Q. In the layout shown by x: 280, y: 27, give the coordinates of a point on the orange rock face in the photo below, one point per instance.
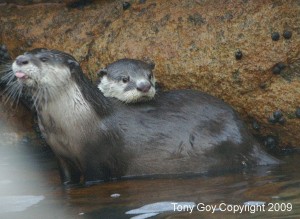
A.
x: 193, y: 44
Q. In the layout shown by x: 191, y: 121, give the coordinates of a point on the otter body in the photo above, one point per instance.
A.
x: 100, y: 138
x: 128, y: 80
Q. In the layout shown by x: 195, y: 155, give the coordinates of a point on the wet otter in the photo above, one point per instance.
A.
x: 128, y: 80
x: 100, y: 138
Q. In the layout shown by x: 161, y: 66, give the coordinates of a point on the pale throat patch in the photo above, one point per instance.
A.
x: 71, y: 111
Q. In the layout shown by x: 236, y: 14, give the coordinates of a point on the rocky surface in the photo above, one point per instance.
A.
x: 229, y: 49
x: 15, y: 124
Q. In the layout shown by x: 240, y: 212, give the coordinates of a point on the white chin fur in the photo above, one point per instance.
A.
x: 135, y: 96
x: 28, y: 82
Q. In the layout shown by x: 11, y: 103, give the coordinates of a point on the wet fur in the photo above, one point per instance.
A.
x: 100, y: 138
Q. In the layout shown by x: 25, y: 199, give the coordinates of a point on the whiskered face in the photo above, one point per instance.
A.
x: 42, y: 72
x: 128, y: 80
x: 42, y: 67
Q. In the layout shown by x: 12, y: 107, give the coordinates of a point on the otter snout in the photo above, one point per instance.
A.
x: 143, y: 86
x: 22, y: 60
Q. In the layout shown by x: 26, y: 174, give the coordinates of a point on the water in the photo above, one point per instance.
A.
x: 30, y: 188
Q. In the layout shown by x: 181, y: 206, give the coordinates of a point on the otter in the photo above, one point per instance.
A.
x: 128, y: 80
x: 97, y: 138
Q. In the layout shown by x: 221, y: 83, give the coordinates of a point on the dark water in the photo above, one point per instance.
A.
x: 30, y: 188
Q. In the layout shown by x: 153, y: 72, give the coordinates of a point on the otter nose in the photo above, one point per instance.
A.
x: 143, y: 87
x: 22, y: 60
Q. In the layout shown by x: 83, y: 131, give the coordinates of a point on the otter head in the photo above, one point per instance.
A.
x: 128, y: 80
x: 43, y: 67
x: 43, y: 72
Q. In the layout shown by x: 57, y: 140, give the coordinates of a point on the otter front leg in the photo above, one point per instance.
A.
x: 69, y: 173
x: 95, y: 172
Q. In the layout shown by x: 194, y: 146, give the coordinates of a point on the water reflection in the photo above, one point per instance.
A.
x: 154, y: 209
x: 30, y: 188
x: 17, y: 203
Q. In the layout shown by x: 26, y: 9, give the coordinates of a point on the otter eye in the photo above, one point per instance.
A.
x: 150, y: 76
x: 125, y: 79
x: 44, y: 59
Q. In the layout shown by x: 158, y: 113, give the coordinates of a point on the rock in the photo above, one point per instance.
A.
x: 238, y: 55
x: 275, y: 36
x: 287, y: 34
x: 297, y: 113
x: 191, y: 42
x: 10, y: 117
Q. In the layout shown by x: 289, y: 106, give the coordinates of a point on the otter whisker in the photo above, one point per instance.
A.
x: 6, y: 62
x: 8, y: 77
x: 38, y: 96
x: 5, y: 67
x: 13, y: 92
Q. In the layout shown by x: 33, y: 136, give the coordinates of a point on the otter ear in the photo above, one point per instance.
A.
x: 102, y: 72
x: 150, y: 63
x: 72, y: 64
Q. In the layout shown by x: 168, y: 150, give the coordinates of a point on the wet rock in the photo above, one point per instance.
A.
x: 238, y: 55
x: 196, y: 19
x: 256, y: 125
x: 10, y: 118
x: 4, y: 55
x: 277, y: 114
x: 126, y: 5
x: 191, y: 48
x: 278, y: 68
x: 287, y: 150
x: 281, y: 121
x: 297, y: 113
x: 79, y: 4
x: 277, y: 117
x: 271, y: 143
x: 281, y: 66
x: 287, y: 34
x: 275, y: 36
x: 272, y: 120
